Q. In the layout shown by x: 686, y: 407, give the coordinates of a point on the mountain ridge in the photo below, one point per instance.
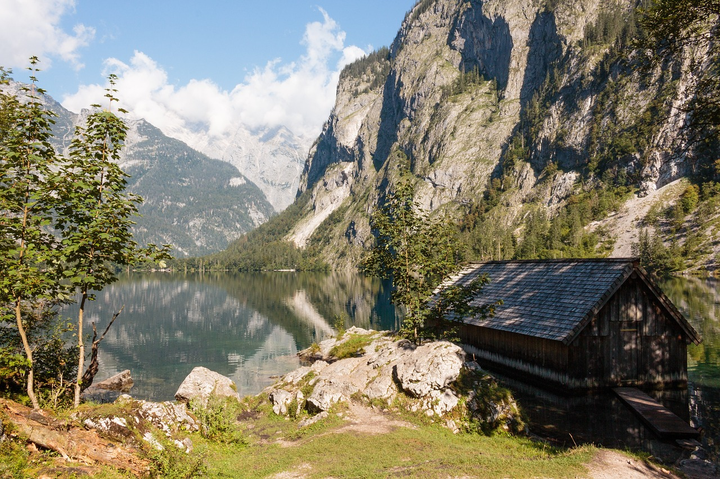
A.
x: 529, y: 122
x: 196, y: 203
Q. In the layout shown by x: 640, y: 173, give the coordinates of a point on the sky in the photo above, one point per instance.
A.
x: 190, y: 64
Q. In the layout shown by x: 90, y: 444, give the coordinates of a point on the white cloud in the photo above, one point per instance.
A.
x: 298, y: 95
x: 31, y: 27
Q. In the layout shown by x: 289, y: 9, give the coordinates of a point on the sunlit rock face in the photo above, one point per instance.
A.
x: 417, y: 108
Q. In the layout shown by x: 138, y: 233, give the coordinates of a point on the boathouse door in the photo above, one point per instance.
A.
x: 628, y: 353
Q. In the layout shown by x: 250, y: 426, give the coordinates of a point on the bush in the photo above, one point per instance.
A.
x: 218, y: 420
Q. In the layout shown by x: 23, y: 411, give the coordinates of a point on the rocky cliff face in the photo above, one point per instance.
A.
x: 523, y: 91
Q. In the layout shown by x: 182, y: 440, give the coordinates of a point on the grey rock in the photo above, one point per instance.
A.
x: 280, y: 399
x: 201, y: 383
x: 430, y: 367
x: 312, y: 420
x: 110, y: 389
x: 326, y: 393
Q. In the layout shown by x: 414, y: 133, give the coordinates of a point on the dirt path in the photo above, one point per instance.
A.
x: 609, y: 464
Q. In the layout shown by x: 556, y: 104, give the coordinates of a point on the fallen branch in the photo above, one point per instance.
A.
x: 42, y: 429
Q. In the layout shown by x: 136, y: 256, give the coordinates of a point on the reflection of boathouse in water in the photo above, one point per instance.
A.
x: 578, y: 324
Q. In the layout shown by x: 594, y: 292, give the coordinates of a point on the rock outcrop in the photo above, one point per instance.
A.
x: 202, y: 383
x: 431, y: 379
x: 109, y: 389
x: 519, y: 94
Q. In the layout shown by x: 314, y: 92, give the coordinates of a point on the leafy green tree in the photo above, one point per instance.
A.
x: 95, y: 213
x: 29, y: 263
x: 418, y: 253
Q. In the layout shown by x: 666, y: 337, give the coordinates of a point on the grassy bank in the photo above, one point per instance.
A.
x: 249, y: 441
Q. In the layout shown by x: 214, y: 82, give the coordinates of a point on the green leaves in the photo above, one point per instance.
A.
x: 65, y: 223
x: 419, y: 253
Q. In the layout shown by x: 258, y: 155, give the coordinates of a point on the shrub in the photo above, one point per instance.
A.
x: 218, y: 420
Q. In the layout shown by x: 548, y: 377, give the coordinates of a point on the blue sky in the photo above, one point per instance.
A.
x: 187, y: 62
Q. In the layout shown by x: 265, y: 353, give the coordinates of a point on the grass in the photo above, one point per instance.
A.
x: 274, y: 444
x: 426, y: 451
x: 353, y: 346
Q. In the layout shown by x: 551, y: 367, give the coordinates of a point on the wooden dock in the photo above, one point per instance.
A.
x: 659, y: 419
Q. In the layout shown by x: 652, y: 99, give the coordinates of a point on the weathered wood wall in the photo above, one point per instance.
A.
x: 631, y: 341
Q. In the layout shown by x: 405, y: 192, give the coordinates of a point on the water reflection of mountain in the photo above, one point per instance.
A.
x: 245, y: 326
x: 699, y: 300
x: 291, y: 299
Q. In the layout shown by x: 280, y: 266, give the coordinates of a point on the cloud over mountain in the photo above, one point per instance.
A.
x: 298, y: 94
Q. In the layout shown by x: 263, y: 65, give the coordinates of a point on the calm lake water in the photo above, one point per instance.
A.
x: 249, y: 327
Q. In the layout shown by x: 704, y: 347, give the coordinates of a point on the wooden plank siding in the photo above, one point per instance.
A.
x: 578, y: 324
x: 631, y: 341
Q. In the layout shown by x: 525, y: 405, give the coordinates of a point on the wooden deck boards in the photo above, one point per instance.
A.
x: 659, y: 419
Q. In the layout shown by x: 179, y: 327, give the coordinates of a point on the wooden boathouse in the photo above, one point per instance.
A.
x: 578, y: 324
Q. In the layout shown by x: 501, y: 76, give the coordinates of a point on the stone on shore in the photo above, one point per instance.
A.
x: 202, y: 383
x: 426, y: 378
x: 110, y: 389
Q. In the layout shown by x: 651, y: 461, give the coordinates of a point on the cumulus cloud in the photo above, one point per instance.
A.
x: 297, y: 95
x: 31, y: 27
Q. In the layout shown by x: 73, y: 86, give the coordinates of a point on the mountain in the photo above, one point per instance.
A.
x: 271, y: 157
x: 540, y: 126
x: 193, y: 202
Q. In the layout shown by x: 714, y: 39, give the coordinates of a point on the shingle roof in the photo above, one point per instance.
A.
x: 547, y: 299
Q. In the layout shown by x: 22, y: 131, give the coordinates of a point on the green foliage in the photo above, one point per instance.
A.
x: 689, y: 198
x: 29, y: 262
x: 467, y: 81
x: 218, y: 420
x: 373, y: 68
x: 657, y: 258
x: 14, y: 460
x: 613, y: 24
x: 339, y: 325
x: 173, y: 463
x: 64, y: 223
x: 266, y: 248
x: 418, y: 253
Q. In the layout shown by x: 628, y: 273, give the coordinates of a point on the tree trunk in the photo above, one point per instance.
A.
x: 89, y: 376
x: 81, y: 349
x: 28, y: 354
x: 71, y: 442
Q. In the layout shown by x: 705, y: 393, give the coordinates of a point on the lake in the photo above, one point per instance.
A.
x: 249, y: 327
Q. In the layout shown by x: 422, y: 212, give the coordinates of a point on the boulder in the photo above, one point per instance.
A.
x: 430, y: 367
x: 326, y: 393
x: 202, y: 383
x: 110, y: 389
x: 280, y: 399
